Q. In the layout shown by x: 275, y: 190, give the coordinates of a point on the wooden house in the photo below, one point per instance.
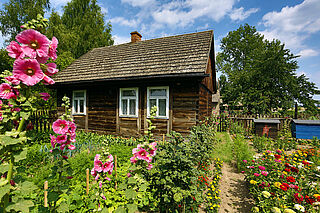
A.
x: 113, y: 88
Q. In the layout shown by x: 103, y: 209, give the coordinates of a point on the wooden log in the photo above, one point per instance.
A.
x: 46, y: 194
x: 87, y: 181
x: 115, y: 171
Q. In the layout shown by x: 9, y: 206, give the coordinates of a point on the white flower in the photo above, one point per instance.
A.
x: 316, y: 203
x: 299, y: 207
x: 318, y: 167
x: 266, y: 194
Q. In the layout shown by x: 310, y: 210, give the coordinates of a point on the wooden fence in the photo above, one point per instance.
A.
x: 246, y: 121
x: 42, y: 119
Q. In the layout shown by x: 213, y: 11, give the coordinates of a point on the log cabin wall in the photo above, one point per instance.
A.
x: 102, y: 113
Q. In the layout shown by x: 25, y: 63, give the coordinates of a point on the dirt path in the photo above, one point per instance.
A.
x: 234, y: 192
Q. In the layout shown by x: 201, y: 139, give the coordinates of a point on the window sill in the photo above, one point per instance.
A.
x: 128, y: 116
x: 164, y: 118
x: 78, y: 114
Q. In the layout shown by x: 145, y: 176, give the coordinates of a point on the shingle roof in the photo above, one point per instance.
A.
x: 174, y: 55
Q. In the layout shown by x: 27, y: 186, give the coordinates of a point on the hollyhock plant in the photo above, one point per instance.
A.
x: 144, y: 152
x: 6, y: 91
x: 60, y: 126
x: 27, y: 71
x: 15, y: 50
x: 34, y: 43
x: 53, y: 48
x: 12, y: 80
x: 51, y: 69
x: 45, y: 96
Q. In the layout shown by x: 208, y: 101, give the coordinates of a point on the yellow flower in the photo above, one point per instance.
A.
x: 284, y: 172
x: 253, y: 182
x: 255, y: 209
x: 289, y: 211
x: 316, y: 195
x: 277, y: 184
x: 275, y: 210
x: 266, y: 194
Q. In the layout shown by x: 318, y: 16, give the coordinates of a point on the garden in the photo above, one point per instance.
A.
x: 67, y: 170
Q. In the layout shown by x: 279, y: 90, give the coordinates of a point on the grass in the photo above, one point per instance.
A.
x: 224, y: 148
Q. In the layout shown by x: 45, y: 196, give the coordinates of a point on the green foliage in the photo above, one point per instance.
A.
x: 223, y: 148
x: 260, y: 75
x: 242, y: 151
x: 17, y: 12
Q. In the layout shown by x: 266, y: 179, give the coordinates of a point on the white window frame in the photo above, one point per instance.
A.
x: 128, y: 102
x: 157, y: 101
x: 84, y: 102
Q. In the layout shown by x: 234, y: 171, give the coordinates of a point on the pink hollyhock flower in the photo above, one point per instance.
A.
x: 28, y: 71
x: 98, y: 166
x: 48, y: 80
x: 242, y: 172
x: 251, y: 167
x: 100, y: 184
x: 129, y: 175
x: 256, y: 174
x: 108, y: 179
x: 42, y: 60
x: 35, y: 44
x: 72, y: 128
x: 108, y: 167
x: 245, y: 161
x: 93, y: 172
x: 45, y: 96
x: 97, y: 177
x: 60, y: 126
x: 53, y: 141
x: 12, y: 80
x: 6, y: 91
x: 142, y: 154
x: 53, y: 48
x: 262, y: 168
x: 51, y: 69
x: 133, y: 160
x: 71, y: 147
x: 135, y: 150
x: 61, y: 139
x: 17, y: 109
x: 265, y: 173
x: 14, y: 50
x: 149, y: 167
x: 103, y: 197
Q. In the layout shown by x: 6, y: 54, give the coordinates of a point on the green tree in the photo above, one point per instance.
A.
x: 17, y: 12
x: 85, y: 19
x: 260, y: 75
x: 5, y: 60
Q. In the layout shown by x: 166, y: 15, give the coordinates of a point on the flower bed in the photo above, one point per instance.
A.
x: 283, y: 182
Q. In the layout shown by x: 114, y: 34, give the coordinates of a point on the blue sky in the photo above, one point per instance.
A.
x: 295, y: 22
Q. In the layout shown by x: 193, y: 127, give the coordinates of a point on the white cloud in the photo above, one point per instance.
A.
x: 139, y: 3
x: 182, y: 13
x: 308, y: 53
x: 58, y: 3
x: 293, y: 25
x: 240, y: 14
x: 121, y: 39
x: 125, y: 22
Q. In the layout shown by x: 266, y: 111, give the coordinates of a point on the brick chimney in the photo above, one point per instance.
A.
x: 135, y: 36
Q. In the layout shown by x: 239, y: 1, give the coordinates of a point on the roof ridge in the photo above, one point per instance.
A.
x: 206, y: 31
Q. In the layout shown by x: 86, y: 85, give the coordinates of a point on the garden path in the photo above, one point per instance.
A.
x: 234, y: 191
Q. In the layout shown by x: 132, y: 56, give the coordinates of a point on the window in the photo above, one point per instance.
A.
x: 79, y: 102
x: 159, y: 97
x: 128, y: 102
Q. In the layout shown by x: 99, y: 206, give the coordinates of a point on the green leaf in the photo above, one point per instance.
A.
x: 7, y: 140
x: 24, y: 115
x: 130, y: 194
x: 27, y: 187
x: 63, y: 207
x: 21, y: 205
x: 177, y: 197
x: 132, y: 208
x: 122, y: 186
x: 4, y: 190
x: 4, y: 168
x: 21, y: 156
x: 132, y: 180
x: 143, y: 187
x: 53, y: 196
x: 120, y: 209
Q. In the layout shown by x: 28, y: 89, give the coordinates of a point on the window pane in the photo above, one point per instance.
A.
x: 162, y: 107
x: 75, y: 105
x: 131, y: 93
x: 79, y: 94
x: 152, y: 102
x: 124, y: 106
x: 158, y: 92
x: 132, y: 109
x: 81, y: 106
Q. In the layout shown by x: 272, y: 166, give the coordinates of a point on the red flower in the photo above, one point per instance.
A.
x: 284, y: 186
x: 298, y: 197
x: 287, y: 165
x: 309, y: 199
x: 291, y: 179
x: 294, y: 169
x: 12, y: 182
x: 305, y: 162
x: 287, y: 170
x: 277, y: 156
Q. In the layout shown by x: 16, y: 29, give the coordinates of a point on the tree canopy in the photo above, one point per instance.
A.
x: 17, y: 12
x: 260, y: 75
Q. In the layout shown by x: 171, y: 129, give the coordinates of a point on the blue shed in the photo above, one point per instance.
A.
x: 306, y: 129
